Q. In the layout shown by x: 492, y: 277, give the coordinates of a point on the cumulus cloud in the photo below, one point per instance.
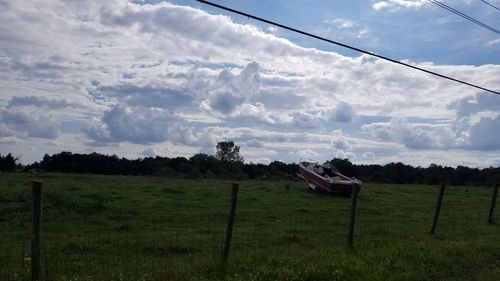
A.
x: 132, y: 124
x: 230, y: 91
x: 141, y: 125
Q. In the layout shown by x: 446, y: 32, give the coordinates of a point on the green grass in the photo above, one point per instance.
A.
x: 153, y: 228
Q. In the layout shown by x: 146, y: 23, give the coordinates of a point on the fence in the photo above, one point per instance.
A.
x: 272, y: 221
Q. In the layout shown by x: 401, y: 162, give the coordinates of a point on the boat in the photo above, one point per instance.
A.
x: 326, y: 178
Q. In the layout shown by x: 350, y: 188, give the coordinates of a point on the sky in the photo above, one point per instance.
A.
x: 173, y: 78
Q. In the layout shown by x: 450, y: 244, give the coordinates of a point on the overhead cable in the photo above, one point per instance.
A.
x: 347, y: 46
x: 458, y: 13
x: 491, y: 5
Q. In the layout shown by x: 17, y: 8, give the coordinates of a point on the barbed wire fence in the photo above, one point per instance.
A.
x: 294, y: 223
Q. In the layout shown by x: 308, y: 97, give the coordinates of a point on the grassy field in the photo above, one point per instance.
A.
x: 153, y: 228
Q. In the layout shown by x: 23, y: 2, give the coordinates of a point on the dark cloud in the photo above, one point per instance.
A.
x: 254, y: 143
x: 146, y: 96
x: 281, y: 99
x: 39, y: 102
x: 27, y: 124
x: 344, y: 112
x: 225, y: 103
x: 483, y: 135
x: 474, y: 104
x: 44, y: 69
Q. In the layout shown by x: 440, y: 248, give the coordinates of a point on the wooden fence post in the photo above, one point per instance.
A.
x: 36, y: 242
x: 352, y: 219
x: 230, y: 222
x: 493, y: 202
x: 438, y: 206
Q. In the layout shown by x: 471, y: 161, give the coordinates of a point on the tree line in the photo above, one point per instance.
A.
x: 227, y: 163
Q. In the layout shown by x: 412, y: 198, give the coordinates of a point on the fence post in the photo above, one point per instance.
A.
x: 230, y: 222
x: 438, y: 206
x: 493, y: 202
x: 352, y: 219
x: 36, y: 242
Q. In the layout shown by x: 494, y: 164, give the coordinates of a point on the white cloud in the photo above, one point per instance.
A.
x: 381, y: 5
x: 415, y: 136
x: 481, y: 135
x: 342, y: 23
x: 395, y: 4
x: 344, y: 155
x: 369, y: 155
x: 149, y: 152
x: 339, y: 141
x: 132, y: 124
x: 308, y: 154
x: 493, y: 42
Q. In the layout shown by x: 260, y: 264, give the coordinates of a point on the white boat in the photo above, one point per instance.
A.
x: 326, y: 178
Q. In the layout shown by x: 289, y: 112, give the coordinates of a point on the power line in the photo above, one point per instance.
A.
x: 346, y: 46
x: 458, y: 13
x: 491, y: 5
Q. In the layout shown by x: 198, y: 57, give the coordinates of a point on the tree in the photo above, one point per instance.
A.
x: 204, y: 163
x: 344, y: 166
x: 228, y: 152
x: 399, y: 173
x: 7, y: 163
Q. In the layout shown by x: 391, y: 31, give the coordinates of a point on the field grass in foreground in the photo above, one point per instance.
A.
x: 152, y: 228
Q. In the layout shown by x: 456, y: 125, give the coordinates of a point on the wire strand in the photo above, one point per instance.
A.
x: 491, y: 5
x: 348, y: 46
x: 458, y: 13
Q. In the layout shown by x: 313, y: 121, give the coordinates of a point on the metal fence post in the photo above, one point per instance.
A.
x: 36, y: 241
x: 352, y: 218
x: 230, y: 222
x: 493, y: 203
x: 438, y: 207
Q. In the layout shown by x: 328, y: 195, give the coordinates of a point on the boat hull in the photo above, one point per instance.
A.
x: 319, y: 182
